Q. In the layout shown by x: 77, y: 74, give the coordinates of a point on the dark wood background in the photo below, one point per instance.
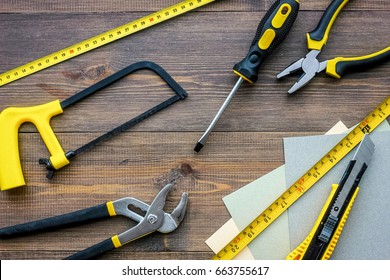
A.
x: 198, y: 49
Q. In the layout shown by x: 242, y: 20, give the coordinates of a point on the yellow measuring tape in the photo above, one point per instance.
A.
x: 293, y: 193
x: 100, y: 40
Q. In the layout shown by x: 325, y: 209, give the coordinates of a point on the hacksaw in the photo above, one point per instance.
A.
x: 11, y: 175
x: 100, y: 40
x: 304, y: 183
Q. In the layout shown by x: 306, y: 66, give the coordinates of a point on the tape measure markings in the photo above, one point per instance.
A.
x: 303, y: 184
x: 100, y: 40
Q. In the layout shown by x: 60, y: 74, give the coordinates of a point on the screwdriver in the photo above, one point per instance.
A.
x: 271, y: 32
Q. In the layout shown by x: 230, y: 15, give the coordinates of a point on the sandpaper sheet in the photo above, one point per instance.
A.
x: 367, y: 230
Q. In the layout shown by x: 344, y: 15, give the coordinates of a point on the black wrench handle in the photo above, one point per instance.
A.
x: 57, y: 222
x: 93, y: 251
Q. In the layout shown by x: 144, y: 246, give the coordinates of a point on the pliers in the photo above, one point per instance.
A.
x: 155, y: 219
x: 336, y: 67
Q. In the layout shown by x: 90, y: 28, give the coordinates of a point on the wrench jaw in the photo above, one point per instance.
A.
x: 181, y: 208
x: 173, y: 220
x: 169, y: 221
x: 155, y: 218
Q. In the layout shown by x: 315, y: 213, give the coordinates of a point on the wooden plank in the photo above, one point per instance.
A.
x: 198, y: 50
x: 119, y: 169
x: 87, y: 6
x: 57, y: 255
x: 206, y: 75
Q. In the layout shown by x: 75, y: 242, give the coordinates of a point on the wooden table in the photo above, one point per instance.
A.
x: 198, y: 49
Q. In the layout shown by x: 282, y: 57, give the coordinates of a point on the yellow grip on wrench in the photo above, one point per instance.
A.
x: 11, y: 175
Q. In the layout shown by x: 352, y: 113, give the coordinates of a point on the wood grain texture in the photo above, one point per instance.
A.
x: 198, y: 49
x: 87, y: 6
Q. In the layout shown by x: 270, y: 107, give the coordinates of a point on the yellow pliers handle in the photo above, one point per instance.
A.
x: 299, y: 252
x: 317, y: 38
x: 338, y: 66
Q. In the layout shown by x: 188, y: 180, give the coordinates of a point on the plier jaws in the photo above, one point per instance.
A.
x: 155, y: 219
x: 309, y: 65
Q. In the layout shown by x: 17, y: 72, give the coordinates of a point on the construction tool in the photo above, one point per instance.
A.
x: 12, y: 118
x: 305, y: 182
x: 323, y: 238
x: 271, y: 32
x: 336, y: 67
x: 155, y: 219
x: 101, y: 40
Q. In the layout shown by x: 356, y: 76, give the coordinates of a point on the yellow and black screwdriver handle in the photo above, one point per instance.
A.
x: 271, y: 31
x: 299, y: 252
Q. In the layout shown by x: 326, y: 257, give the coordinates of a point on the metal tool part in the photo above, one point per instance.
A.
x: 310, y: 67
x: 155, y: 219
x: 180, y: 93
x: 272, y: 30
x: 225, y: 104
x: 337, y: 67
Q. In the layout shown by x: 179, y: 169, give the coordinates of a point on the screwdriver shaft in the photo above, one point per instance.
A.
x: 225, y: 104
x: 271, y: 31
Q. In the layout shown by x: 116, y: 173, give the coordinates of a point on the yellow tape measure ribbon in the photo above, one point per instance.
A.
x: 100, y: 40
x: 294, y: 192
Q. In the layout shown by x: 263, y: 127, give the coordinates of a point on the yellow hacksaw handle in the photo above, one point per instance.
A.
x: 299, y: 252
x: 11, y: 175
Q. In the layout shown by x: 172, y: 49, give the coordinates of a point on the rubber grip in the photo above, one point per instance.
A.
x: 57, y: 222
x: 317, y: 38
x: 299, y: 252
x: 93, y: 251
x: 11, y: 174
x: 270, y: 33
x: 339, y: 66
x: 335, y: 238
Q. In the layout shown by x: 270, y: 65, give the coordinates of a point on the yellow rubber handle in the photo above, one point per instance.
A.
x: 299, y: 252
x: 339, y: 66
x: 317, y: 38
x: 335, y: 238
x: 11, y: 175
